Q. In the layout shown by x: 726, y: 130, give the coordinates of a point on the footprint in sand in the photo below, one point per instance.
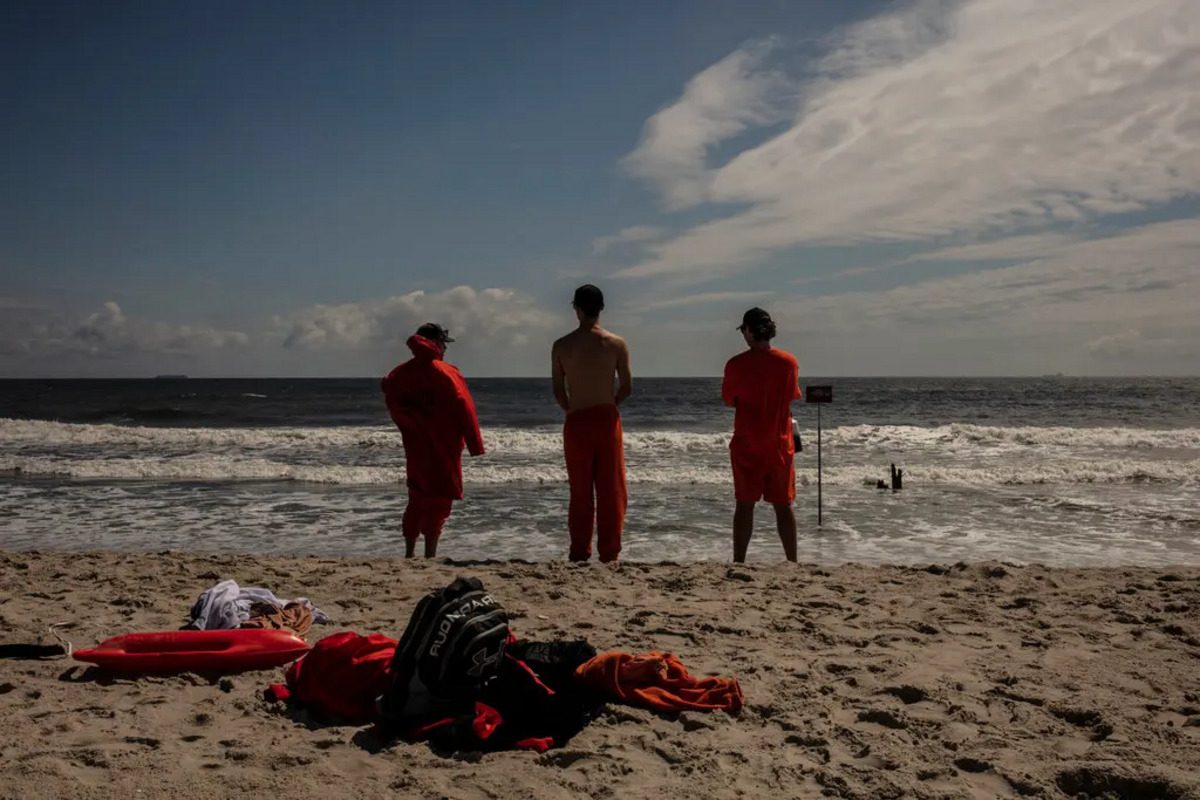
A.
x: 1092, y: 721
x: 879, y: 716
x: 145, y: 741
x: 907, y: 694
x: 1111, y: 780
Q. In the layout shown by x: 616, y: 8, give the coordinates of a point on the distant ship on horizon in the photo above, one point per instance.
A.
x: 170, y: 377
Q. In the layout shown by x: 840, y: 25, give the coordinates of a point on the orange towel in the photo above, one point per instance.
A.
x: 658, y: 681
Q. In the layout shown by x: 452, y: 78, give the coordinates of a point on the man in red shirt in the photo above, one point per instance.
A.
x: 431, y: 405
x: 760, y: 384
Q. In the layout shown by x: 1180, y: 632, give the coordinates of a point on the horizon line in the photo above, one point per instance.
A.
x: 180, y: 377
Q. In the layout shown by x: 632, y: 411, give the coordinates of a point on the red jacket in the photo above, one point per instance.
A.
x: 431, y: 405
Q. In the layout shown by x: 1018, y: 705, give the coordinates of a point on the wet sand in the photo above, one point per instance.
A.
x: 981, y: 680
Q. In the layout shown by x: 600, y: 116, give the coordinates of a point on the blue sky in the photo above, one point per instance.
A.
x: 976, y: 187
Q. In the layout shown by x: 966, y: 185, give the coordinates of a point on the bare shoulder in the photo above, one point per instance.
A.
x: 561, y: 342
x: 614, y: 340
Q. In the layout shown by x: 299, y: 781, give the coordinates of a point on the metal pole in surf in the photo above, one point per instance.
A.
x: 819, y: 395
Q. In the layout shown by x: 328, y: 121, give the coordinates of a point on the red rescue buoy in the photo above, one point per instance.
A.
x: 225, y: 651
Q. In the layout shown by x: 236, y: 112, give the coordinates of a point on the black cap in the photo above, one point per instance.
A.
x: 754, y: 318
x: 589, y: 299
x: 434, y: 332
x: 759, y: 323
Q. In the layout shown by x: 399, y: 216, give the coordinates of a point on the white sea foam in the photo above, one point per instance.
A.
x: 539, y: 441
x: 951, y: 455
x: 217, y: 468
x: 983, y: 436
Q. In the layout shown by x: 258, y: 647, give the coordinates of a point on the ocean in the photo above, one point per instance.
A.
x: 1055, y: 470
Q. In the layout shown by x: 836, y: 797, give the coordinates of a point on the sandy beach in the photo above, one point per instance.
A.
x: 982, y: 680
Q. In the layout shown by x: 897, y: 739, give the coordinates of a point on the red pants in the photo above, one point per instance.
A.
x: 595, y: 455
x: 425, y: 515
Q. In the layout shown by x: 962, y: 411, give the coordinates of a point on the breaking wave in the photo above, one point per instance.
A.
x: 950, y: 455
x: 534, y: 441
x: 208, y: 468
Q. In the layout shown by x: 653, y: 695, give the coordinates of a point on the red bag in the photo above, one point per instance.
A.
x: 341, y: 676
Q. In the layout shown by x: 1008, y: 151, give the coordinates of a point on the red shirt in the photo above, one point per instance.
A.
x: 761, y: 385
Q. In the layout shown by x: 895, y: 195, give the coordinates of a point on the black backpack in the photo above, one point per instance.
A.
x: 452, y: 648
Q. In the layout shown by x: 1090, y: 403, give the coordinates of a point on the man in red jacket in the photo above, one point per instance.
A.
x: 761, y: 384
x: 431, y: 405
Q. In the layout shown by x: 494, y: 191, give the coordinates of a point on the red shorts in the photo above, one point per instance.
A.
x: 756, y: 477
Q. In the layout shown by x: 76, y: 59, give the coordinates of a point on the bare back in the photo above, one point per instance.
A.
x: 584, y: 363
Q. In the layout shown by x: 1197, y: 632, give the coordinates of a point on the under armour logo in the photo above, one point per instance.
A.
x: 482, y: 659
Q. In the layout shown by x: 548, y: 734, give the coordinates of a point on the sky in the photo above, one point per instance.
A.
x: 289, y: 188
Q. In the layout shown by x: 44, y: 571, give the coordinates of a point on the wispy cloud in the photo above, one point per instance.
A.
x: 723, y: 101
x: 980, y: 117
x: 1097, y: 297
x: 702, y: 299
x: 1012, y: 248
x: 637, y: 233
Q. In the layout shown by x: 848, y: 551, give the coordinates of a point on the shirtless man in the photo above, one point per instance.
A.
x: 583, y: 364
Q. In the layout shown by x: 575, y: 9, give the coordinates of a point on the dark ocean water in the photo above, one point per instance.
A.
x: 686, y: 403
x: 1057, y: 470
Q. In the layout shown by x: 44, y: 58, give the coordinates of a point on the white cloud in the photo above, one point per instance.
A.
x: 474, y: 317
x: 109, y: 333
x: 1117, y: 345
x: 942, y: 119
x: 1130, y: 345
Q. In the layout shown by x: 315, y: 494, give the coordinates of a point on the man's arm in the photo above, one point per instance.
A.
x: 624, y: 378
x: 727, y: 395
x: 470, y: 421
x: 559, y: 377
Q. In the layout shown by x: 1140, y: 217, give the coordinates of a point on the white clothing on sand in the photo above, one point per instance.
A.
x: 227, y: 605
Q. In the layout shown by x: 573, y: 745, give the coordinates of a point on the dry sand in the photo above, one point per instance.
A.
x: 964, y: 681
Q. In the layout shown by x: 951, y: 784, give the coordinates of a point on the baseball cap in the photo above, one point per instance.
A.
x: 434, y: 332
x: 754, y: 318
